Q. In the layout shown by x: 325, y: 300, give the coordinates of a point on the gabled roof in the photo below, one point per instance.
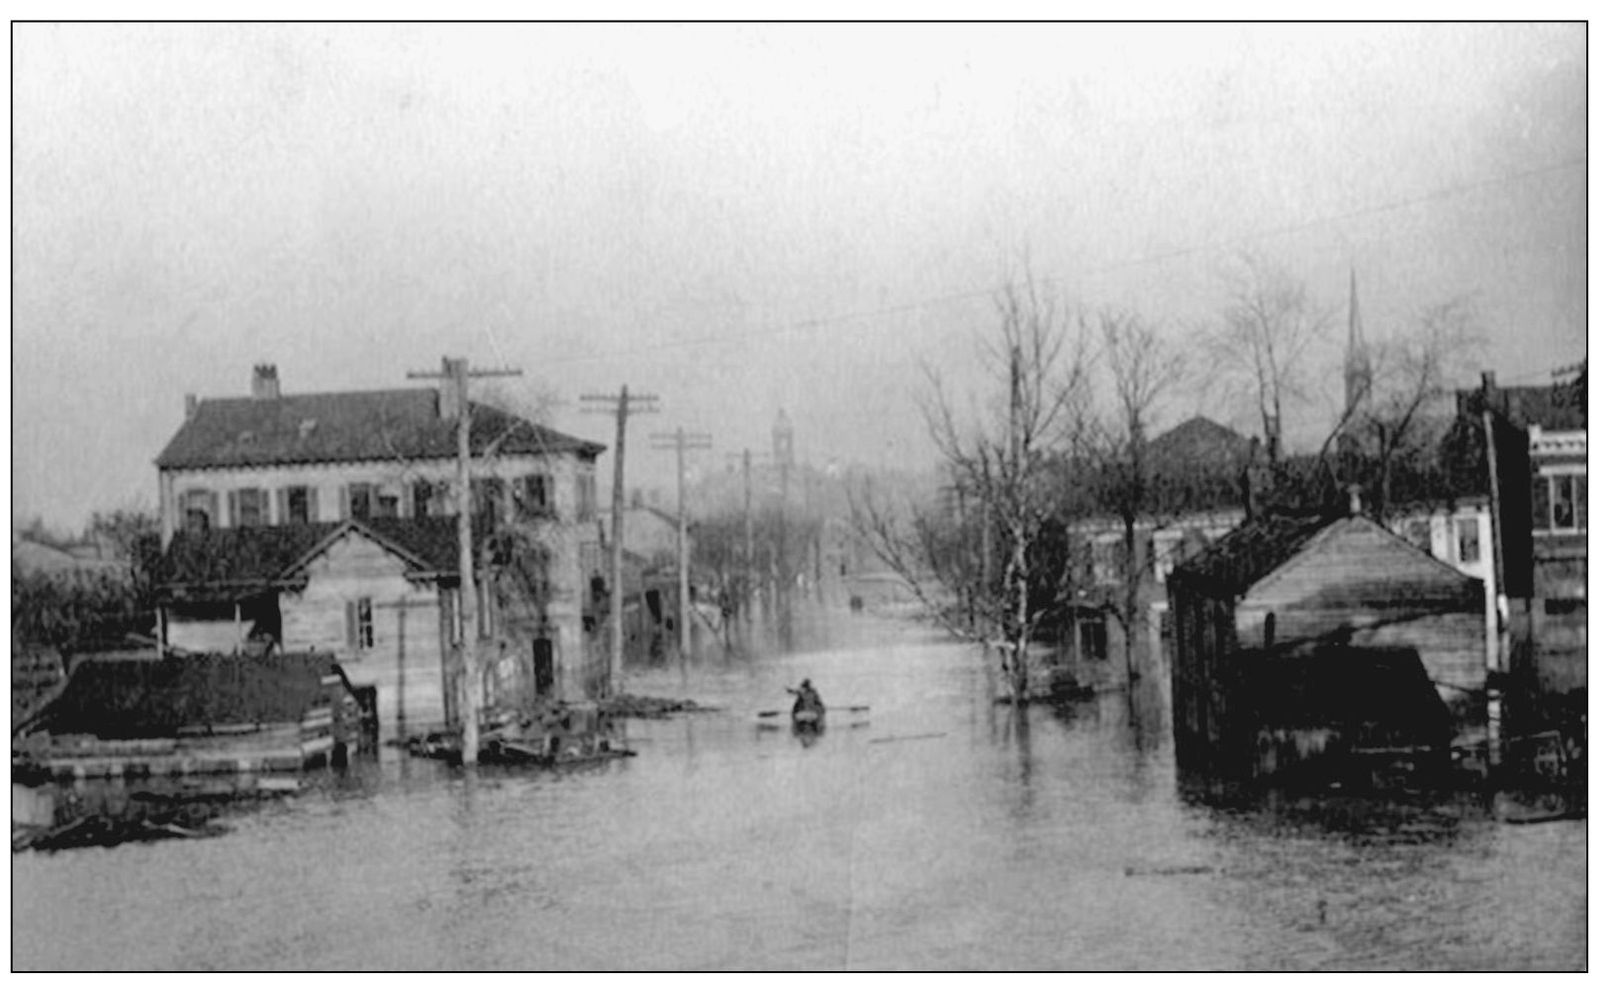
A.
x: 1259, y: 548
x: 1201, y: 443
x: 345, y: 427
x: 244, y: 558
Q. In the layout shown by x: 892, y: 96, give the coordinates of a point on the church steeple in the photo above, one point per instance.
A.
x: 1356, y: 367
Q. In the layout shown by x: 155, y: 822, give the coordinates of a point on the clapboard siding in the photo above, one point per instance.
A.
x: 317, y: 617
x: 1357, y: 566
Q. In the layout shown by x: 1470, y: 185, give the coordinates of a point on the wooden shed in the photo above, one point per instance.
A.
x: 1289, y: 587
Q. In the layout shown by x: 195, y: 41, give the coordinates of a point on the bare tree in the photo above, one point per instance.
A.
x: 1268, y: 327
x: 1141, y: 367
x: 1001, y: 467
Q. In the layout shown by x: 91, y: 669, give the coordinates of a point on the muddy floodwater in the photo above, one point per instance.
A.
x: 937, y: 830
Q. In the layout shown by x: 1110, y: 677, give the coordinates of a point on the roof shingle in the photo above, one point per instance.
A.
x: 344, y: 427
x: 1243, y: 556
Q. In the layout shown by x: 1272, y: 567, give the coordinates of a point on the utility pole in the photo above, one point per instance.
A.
x: 456, y: 373
x: 626, y: 404
x: 746, y: 517
x: 679, y: 442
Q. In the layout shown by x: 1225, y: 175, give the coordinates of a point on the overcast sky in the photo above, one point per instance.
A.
x: 740, y: 219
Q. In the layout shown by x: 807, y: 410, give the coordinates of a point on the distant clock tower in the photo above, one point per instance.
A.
x: 783, y: 440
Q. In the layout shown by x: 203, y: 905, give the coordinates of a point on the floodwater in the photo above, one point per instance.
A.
x: 937, y: 830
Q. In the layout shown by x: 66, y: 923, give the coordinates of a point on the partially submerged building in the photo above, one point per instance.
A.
x: 327, y: 521
x: 1284, y: 588
x: 201, y: 713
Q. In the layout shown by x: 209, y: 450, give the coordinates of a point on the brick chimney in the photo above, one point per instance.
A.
x: 266, y: 382
x: 448, y: 406
x: 190, y: 406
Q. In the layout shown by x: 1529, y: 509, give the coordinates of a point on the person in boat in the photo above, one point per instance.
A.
x: 808, y: 700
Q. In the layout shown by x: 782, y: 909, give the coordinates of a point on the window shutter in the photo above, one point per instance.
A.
x: 233, y: 507
x: 342, y: 502
x: 352, y: 614
x: 407, y: 500
x: 213, y: 509
x: 313, y: 503
x: 283, y: 505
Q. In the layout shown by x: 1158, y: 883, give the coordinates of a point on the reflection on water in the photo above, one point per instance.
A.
x: 937, y: 830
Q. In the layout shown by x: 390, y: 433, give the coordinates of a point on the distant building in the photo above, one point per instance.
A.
x: 73, y: 562
x: 1198, y: 494
x: 327, y: 521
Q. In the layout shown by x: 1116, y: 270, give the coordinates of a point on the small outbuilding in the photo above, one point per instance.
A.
x: 1284, y: 591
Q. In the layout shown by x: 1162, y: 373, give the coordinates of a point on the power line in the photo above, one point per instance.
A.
x: 1147, y: 260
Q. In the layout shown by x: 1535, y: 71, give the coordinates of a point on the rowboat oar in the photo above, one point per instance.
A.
x: 774, y: 714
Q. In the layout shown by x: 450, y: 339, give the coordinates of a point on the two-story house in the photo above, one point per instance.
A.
x: 1537, y: 438
x: 327, y: 521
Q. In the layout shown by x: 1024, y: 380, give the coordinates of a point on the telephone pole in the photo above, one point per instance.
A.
x: 746, y: 516
x: 456, y: 373
x: 626, y: 404
x: 679, y: 442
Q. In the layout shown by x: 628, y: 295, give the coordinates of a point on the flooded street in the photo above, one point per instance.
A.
x: 938, y: 830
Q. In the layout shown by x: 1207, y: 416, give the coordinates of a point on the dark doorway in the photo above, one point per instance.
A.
x: 544, y: 667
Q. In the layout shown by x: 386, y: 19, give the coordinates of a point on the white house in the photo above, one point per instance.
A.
x: 326, y: 521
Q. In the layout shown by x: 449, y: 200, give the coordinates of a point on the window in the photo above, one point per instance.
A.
x: 248, y: 508
x: 361, y: 628
x: 359, y: 500
x: 297, y: 504
x: 198, y: 507
x: 387, y: 505
x: 422, y: 497
x: 1092, y: 637
x: 1470, y: 540
x: 1169, y: 551
x: 1107, y: 553
x: 1560, y: 502
x: 534, y: 497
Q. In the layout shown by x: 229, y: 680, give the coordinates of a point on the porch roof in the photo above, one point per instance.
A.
x: 242, y: 561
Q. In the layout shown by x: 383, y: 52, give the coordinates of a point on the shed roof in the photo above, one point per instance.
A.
x: 153, y: 698
x: 349, y: 426
x: 260, y: 557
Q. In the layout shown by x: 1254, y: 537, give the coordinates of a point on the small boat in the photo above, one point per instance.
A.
x: 808, y: 711
x: 809, y: 717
